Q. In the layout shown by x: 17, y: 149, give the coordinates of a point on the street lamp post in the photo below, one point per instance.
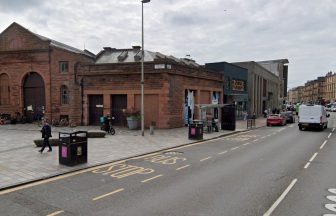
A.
x: 142, y: 70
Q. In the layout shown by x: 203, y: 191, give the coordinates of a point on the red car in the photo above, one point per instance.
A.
x: 276, y: 119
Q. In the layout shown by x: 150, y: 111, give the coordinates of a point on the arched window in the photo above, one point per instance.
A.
x: 64, y: 95
x: 4, y: 89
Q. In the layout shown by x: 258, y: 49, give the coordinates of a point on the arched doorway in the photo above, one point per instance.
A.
x: 33, y: 96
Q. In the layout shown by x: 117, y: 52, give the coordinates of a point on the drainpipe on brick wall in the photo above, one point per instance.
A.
x: 81, y: 84
x: 50, y: 96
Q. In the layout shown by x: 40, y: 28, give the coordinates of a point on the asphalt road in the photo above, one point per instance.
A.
x: 243, y: 174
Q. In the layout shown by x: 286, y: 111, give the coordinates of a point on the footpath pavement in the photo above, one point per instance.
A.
x: 20, y: 161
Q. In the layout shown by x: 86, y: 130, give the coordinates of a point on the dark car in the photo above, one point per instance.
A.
x: 276, y: 119
x: 289, y: 116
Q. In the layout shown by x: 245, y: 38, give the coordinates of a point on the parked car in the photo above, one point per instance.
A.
x: 332, y: 108
x: 289, y: 116
x: 313, y: 116
x: 276, y: 119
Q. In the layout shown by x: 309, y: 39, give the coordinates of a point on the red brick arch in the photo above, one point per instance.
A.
x: 34, y: 100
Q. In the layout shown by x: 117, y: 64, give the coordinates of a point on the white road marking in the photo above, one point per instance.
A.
x: 321, y: 147
x: 204, y: 159
x: 313, y: 157
x: 331, y: 207
x: 108, y: 194
x: 329, y: 135
x: 278, y: 201
x: 307, y: 165
x: 332, y: 190
x: 333, y: 130
x: 255, y: 140
x: 331, y: 198
x: 274, y: 133
x: 222, y: 152
x: 263, y: 137
x: 291, y: 126
x: 155, y: 177
x: 245, y: 144
x: 329, y: 215
x: 234, y: 148
x: 269, y: 135
x: 55, y: 213
x: 183, y: 167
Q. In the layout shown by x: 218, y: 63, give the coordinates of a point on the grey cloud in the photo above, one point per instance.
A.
x: 19, y: 5
x: 212, y: 30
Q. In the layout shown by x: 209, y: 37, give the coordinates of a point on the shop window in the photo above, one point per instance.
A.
x: 64, y: 95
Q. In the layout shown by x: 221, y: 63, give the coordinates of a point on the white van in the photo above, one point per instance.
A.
x: 312, y: 116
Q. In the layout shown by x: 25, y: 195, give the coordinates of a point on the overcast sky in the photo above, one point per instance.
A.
x: 303, y: 31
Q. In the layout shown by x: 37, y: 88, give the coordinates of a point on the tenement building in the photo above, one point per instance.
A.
x: 40, y: 76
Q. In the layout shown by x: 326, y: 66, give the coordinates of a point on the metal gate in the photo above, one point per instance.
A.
x: 96, y: 108
x: 33, y: 96
x: 119, y: 102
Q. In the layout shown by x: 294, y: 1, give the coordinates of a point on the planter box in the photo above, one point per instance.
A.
x: 133, y: 124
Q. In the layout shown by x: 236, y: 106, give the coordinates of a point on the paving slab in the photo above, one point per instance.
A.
x: 20, y: 161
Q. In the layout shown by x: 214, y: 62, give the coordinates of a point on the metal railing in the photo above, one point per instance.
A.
x: 250, y: 123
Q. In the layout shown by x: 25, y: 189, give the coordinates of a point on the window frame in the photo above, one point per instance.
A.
x: 65, y: 95
x: 62, y: 68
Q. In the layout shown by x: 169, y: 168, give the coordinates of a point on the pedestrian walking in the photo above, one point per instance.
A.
x: 245, y: 116
x: 46, y: 134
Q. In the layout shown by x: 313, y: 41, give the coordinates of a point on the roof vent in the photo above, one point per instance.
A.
x: 136, y: 47
x: 123, y: 55
x: 109, y: 49
x: 138, y: 56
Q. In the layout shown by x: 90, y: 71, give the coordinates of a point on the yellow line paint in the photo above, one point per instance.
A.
x: 108, y: 194
x: 183, y: 167
x: 55, y: 213
x: 109, y: 164
x: 57, y: 178
x: 204, y: 159
x: 155, y: 177
x: 222, y: 152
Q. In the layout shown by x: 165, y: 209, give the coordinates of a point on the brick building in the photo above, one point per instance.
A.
x: 39, y: 75
x: 113, y: 84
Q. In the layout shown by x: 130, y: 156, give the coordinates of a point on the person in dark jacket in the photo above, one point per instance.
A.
x: 46, y: 134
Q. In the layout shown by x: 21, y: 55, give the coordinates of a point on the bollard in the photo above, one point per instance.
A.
x: 151, y: 128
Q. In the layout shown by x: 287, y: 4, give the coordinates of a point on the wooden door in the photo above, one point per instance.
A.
x: 33, y: 96
x: 96, y: 109
x: 119, y: 102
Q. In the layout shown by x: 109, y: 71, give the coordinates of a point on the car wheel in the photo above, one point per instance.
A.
x: 300, y: 128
